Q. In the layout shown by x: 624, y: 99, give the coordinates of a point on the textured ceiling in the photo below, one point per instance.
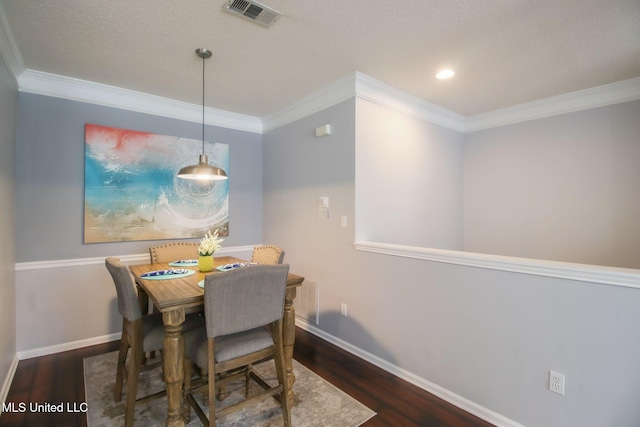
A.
x: 504, y: 52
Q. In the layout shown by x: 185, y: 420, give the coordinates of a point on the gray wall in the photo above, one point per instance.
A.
x: 73, y: 303
x: 488, y: 336
x: 562, y: 188
x: 50, y: 177
x: 300, y: 168
x: 8, y: 101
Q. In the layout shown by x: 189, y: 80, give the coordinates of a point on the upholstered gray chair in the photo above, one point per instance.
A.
x: 173, y: 252
x: 267, y: 254
x: 140, y: 334
x: 238, y: 306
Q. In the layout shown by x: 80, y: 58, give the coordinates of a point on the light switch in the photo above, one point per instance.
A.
x: 343, y: 221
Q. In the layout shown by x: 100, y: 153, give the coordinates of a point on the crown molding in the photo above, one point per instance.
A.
x: 352, y: 85
x: 381, y: 93
x: 367, y: 88
x: 325, y: 97
x: 600, y: 96
x: 8, y: 49
x: 47, y: 84
x: 370, y: 89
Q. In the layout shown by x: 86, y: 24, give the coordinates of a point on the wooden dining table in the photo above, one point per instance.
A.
x: 177, y: 296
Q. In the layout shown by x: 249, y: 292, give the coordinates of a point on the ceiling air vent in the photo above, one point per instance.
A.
x: 253, y: 11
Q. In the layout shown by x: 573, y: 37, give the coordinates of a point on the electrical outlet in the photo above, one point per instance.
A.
x: 556, y: 382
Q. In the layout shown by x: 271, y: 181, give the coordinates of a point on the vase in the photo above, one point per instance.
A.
x: 205, y: 263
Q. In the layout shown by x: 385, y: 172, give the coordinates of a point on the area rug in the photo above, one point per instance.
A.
x: 316, y: 402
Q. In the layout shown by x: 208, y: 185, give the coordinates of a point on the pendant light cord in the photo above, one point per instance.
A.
x: 203, y: 61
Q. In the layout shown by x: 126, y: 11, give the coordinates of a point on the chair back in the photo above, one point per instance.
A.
x: 128, y: 304
x: 244, y: 299
x: 173, y: 252
x: 267, y: 254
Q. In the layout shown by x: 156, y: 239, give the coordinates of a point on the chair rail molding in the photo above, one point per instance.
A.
x: 625, y: 277
x: 127, y: 259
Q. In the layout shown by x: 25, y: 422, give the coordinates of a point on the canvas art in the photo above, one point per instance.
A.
x: 132, y: 192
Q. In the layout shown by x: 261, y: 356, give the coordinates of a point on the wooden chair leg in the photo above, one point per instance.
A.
x: 186, y: 390
x: 122, y: 360
x: 247, y: 381
x: 205, y: 394
x: 222, y: 392
x: 212, y: 384
x: 282, y: 378
x: 284, y: 396
x: 132, y: 386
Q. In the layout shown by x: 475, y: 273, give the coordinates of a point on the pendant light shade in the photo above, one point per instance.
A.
x: 203, y: 171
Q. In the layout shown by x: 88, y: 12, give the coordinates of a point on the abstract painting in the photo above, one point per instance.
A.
x: 132, y: 192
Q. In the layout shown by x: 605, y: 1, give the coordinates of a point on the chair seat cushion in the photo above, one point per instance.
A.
x: 226, y: 347
x: 153, y: 329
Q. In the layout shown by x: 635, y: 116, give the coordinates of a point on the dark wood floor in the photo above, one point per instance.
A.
x: 59, y: 378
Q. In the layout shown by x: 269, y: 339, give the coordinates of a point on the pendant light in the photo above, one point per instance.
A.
x: 203, y: 171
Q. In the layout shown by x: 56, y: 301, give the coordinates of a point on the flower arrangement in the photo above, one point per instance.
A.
x: 209, y: 244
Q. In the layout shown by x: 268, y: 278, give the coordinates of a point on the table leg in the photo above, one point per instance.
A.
x: 289, y: 337
x: 172, y: 360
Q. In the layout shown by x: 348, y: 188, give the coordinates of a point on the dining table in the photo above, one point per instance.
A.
x: 178, y: 294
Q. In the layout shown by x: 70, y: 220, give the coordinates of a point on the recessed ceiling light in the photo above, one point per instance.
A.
x: 445, y: 74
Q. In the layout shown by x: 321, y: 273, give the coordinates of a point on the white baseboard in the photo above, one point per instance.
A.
x: 444, y: 394
x: 4, y: 392
x: 43, y: 351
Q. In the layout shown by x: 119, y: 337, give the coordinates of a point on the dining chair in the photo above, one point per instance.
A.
x: 267, y: 254
x: 140, y: 334
x: 173, y: 252
x: 239, y: 304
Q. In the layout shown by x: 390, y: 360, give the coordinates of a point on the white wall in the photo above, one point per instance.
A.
x: 485, y: 339
x: 562, y: 188
x: 67, y: 304
x: 409, y: 172
x: 8, y: 96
